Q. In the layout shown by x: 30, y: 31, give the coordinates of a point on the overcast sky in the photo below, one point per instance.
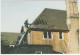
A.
x: 14, y: 13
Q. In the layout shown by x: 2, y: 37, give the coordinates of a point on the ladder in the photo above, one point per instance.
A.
x: 22, y: 37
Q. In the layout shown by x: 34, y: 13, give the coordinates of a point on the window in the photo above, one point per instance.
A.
x: 38, y: 52
x: 47, y: 35
x: 60, y: 35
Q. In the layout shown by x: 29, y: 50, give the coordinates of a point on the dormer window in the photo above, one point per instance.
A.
x: 47, y: 35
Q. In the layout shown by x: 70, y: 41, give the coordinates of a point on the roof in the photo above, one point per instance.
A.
x: 9, y: 38
x: 51, y: 19
x: 30, y: 49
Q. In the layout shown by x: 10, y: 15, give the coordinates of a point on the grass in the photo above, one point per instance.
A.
x: 9, y: 38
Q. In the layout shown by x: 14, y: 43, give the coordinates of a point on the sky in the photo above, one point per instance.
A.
x: 14, y: 13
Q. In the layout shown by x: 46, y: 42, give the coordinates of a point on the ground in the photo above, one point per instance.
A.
x: 8, y: 39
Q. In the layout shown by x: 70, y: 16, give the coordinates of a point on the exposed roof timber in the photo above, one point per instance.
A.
x: 52, y: 19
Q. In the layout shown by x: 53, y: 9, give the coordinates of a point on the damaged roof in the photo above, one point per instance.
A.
x: 51, y: 19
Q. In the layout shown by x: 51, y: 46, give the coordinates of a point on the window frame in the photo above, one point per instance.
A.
x: 48, y: 36
x: 62, y: 36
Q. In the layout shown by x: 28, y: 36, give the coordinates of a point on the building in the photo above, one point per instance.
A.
x: 57, y: 28
x: 73, y: 25
x: 50, y: 29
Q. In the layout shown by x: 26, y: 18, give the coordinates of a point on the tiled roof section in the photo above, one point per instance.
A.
x: 51, y: 19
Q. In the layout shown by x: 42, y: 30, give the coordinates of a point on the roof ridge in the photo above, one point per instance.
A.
x: 54, y: 9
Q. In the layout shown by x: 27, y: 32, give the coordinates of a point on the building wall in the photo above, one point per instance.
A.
x: 74, y: 36
x: 36, y: 37
x: 73, y: 25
